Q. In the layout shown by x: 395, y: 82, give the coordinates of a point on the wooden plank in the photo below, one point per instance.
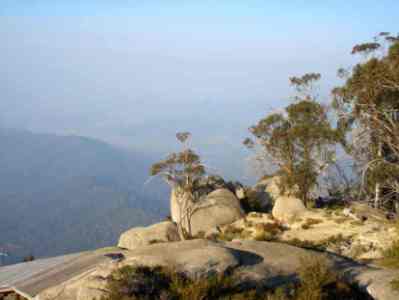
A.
x: 31, y: 278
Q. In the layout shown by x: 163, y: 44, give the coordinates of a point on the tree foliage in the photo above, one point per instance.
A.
x: 368, y: 113
x: 299, y: 142
x: 181, y: 170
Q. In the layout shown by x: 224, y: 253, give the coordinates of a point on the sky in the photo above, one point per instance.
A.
x: 135, y: 72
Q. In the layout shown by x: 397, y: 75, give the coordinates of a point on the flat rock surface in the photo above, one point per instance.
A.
x: 253, y: 262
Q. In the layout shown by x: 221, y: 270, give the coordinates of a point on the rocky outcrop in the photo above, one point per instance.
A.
x: 219, y: 208
x: 142, y: 236
x: 94, y: 287
x: 253, y: 263
x: 332, y: 230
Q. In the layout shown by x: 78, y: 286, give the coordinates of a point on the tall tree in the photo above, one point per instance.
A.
x: 299, y: 143
x: 368, y: 110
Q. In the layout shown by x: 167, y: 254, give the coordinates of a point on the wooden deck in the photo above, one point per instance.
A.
x: 30, y: 278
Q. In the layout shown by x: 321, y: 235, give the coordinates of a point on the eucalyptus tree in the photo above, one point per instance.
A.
x: 368, y: 112
x: 182, y: 171
x: 297, y: 144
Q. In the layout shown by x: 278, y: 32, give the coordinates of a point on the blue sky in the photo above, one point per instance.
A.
x: 124, y: 70
x: 232, y: 8
x: 362, y: 15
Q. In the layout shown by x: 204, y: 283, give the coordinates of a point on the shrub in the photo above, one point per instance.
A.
x: 255, y: 215
x: 317, y: 281
x: 208, y: 288
x: 133, y: 283
x: 267, y: 231
x: 273, y: 227
x: 246, y: 234
x: 264, y: 236
x: 254, y: 201
x: 391, y: 255
x: 314, y: 274
x: 200, y: 235
x: 230, y: 232
x: 395, y: 284
x: 391, y: 259
x: 153, y: 283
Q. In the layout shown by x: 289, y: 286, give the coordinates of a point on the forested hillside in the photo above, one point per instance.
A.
x: 62, y: 194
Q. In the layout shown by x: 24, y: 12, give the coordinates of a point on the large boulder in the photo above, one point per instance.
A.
x: 286, y: 206
x: 142, y: 236
x: 218, y: 208
x: 180, y: 200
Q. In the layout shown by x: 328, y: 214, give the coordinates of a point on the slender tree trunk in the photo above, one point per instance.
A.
x: 377, y: 196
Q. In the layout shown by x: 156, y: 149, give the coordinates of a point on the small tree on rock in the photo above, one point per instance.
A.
x: 182, y: 171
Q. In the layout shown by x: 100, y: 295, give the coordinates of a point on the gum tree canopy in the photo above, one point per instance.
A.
x: 180, y: 170
x: 368, y: 110
x: 297, y: 144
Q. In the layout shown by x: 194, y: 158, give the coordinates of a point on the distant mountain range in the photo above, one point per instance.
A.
x: 61, y: 194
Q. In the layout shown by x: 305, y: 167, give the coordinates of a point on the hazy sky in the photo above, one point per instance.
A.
x: 135, y: 72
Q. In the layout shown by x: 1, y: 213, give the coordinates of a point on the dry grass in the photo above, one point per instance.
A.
x: 356, y: 223
x: 305, y: 244
x: 341, y: 220
x: 230, y: 233
x: 310, y: 222
x: 255, y: 215
x: 267, y: 231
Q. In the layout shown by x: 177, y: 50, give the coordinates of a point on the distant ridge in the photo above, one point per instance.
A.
x: 62, y: 194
